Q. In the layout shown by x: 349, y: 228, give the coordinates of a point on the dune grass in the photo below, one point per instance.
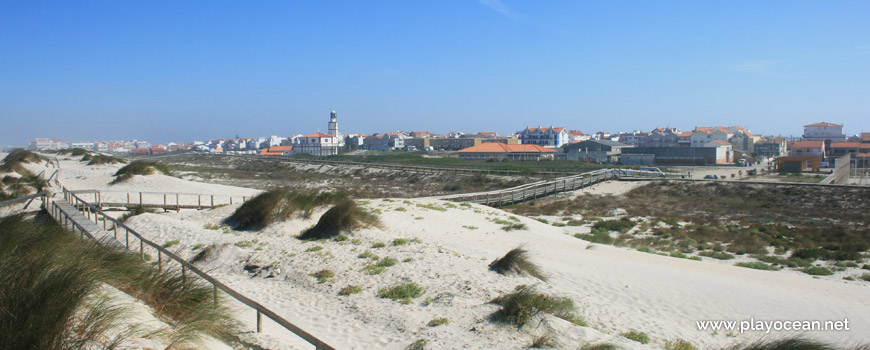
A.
x: 438, y: 322
x: 521, y: 306
x: 63, y: 270
x: 351, y: 289
x: 100, y: 159
x: 341, y: 218
x: 757, y: 265
x: 517, y: 261
x: 402, y: 293
x: 679, y: 344
x: 279, y: 205
x: 12, y: 162
x: 547, y: 339
x: 75, y: 152
x: 599, y: 346
x: 140, y: 167
x: 639, y: 337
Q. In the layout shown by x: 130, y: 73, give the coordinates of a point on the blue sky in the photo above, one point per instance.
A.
x: 185, y: 70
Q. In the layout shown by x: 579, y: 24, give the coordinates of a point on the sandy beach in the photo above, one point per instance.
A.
x: 448, y: 249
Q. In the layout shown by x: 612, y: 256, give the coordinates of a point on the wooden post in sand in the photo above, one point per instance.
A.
x: 177, y: 203
x: 259, y: 321
x: 140, y: 199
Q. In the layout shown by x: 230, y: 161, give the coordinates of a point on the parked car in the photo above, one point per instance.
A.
x: 752, y: 172
x: 711, y: 177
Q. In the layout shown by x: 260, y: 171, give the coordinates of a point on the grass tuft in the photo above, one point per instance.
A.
x: 279, y: 205
x: 323, y: 275
x: 438, y: 322
x: 758, y: 265
x: 403, y: 292
x: 517, y: 261
x: 351, y: 289
x: 639, y: 337
x: 679, y: 344
x: 788, y: 344
x: 519, y: 307
x: 343, y: 217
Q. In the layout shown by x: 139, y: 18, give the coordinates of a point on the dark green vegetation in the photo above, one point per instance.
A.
x: 140, y: 167
x: 794, y: 344
x: 19, y: 186
x: 75, y: 152
x: 727, y: 219
x: 344, y: 217
x: 521, y: 306
x: 279, y: 205
x: 517, y: 261
x: 55, y: 302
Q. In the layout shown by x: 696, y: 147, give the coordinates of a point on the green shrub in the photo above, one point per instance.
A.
x: 400, y: 241
x: 622, y: 225
x: 517, y: 261
x: 323, y: 275
x: 100, y: 159
x: 817, y: 271
x: 865, y: 277
x: 639, y: 337
x: 386, y: 262
x: 599, y: 346
x: 519, y: 307
x: 379, y: 245
x: 602, y: 237
x: 140, y: 167
x: 679, y: 345
x: 514, y: 226
x: 12, y: 162
x: 367, y: 254
x: 351, y: 289
x: 419, y: 344
x: 438, y: 322
x: 343, y: 217
x: 171, y: 243
x: 757, y: 265
x: 403, y: 292
x: 316, y: 248
x: 810, y: 254
x: 373, y: 269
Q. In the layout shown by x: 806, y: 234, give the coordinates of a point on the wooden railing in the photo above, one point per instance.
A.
x: 541, y: 189
x: 163, y: 200
x: 92, y: 212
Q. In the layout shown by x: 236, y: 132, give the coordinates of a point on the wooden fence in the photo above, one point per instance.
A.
x: 533, y: 191
x: 65, y: 214
x: 160, y: 200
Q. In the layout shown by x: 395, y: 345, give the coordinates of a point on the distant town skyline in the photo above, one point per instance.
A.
x: 167, y: 71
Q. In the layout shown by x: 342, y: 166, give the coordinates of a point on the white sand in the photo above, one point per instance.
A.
x: 616, y: 290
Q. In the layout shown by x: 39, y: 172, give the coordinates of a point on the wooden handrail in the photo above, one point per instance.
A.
x: 319, y: 344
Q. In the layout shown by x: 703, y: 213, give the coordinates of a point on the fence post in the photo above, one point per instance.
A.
x: 231, y: 200
x: 127, y: 238
x: 183, y: 273
x: 259, y: 321
x: 141, y: 249
x: 140, y: 199
x: 198, y: 202
x: 159, y: 260
x: 128, y: 197
x: 164, y: 201
x: 177, y: 203
x: 215, y: 294
x: 212, y: 201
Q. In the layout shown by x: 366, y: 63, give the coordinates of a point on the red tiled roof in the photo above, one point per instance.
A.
x: 686, y: 134
x: 808, y: 144
x: 496, y: 147
x: 845, y: 144
x: 318, y: 134
x: 823, y: 124
x: 863, y: 155
x: 575, y: 133
x: 280, y: 148
x: 721, y: 142
x: 265, y: 152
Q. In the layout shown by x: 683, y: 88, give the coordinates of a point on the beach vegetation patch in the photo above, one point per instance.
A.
x: 344, y: 217
x: 402, y: 293
x: 279, y: 205
x: 522, y: 305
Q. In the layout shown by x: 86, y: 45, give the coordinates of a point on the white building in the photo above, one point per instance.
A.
x: 45, y: 144
x: 320, y: 144
x: 547, y: 137
x: 824, y: 132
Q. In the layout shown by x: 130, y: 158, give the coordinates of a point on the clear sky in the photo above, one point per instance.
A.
x: 185, y: 70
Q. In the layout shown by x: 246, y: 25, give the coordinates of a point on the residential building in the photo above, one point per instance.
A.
x: 839, y: 149
x: 500, y: 151
x: 548, y: 137
x: 663, y: 137
x: 595, y: 151
x: 771, y: 149
x: 703, y: 135
x: 808, y: 148
x: 46, y: 144
x: 277, y: 151
x: 635, y: 138
x: 824, y: 131
x: 717, y: 154
x: 724, y: 151
x: 577, y: 135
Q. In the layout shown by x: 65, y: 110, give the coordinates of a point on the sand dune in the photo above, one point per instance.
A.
x: 615, y: 289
